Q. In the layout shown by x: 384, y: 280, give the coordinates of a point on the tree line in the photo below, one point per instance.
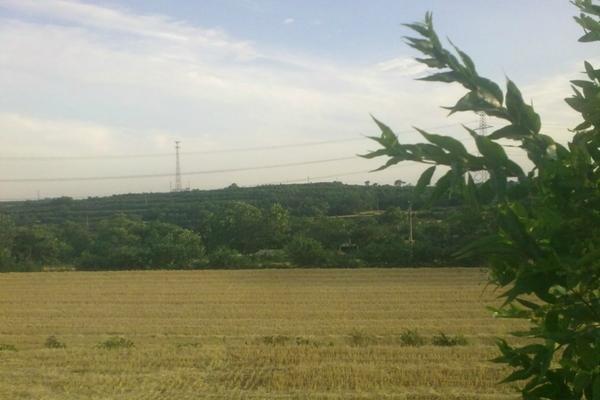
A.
x: 238, y: 234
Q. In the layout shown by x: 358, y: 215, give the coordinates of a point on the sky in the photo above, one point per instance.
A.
x: 257, y: 91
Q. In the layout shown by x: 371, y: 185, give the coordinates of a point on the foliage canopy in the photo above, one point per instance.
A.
x: 546, y: 251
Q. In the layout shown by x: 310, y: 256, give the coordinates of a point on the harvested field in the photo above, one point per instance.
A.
x: 260, y: 334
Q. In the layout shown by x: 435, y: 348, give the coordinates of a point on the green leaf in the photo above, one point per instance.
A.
x: 509, y: 132
x: 424, y: 180
x: 592, y: 73
x: 521, y: 114
x: 581, y: 381
x: 423, y: 45
x: 489, y: 91
x: 447, y: 77
x: 471, y: 193
x: 441, y: 187
x: 468, y: 63
x: 419, y: 27
x: 584, y: 84
x: 375, y: 153
x: 529, y: 304
x: 590, y: 37
x: 596, y: 388
x: 431, y: 62
x: 518, y: 375
x: 494, y: 155
x: 388, y: 138
x: 389, y: 163
x: 445, y: 142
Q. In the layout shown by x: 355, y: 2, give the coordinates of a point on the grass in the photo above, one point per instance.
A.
x: 268, y: 334
x: 115, y: 342
x: 52, y: 342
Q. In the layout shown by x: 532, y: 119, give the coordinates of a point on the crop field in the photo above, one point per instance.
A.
x: 250, y: 334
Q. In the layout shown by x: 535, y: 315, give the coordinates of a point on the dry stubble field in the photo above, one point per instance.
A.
x: 262, y: 334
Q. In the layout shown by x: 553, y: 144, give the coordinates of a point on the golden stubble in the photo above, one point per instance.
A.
x: 250, y: 334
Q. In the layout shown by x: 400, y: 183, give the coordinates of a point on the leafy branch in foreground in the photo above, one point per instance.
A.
x: 546, y: 252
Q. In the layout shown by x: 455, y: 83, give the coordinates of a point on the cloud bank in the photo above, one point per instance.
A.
x: 83, y: 79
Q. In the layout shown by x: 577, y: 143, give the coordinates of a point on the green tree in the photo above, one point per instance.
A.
x: 237, y: 225
x: 7, y: 232
x: 547, y: 244
x: 169, y: 246
x: 275, y: 226
x: 116, y: 243
x: 36, y: 244
x: 307, y: 252
x: 77, y: 238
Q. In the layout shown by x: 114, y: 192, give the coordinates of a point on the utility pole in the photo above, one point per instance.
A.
x: 177, y: 169
x: 411, y: 239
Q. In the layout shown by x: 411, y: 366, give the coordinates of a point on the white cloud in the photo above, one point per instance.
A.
x: 288, y: 21
x: 402, y: 65
x: 97, y: 80
x: 151, y: 26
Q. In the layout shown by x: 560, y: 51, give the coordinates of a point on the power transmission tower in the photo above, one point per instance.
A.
x: 177, y: 169
x: 482, y: 176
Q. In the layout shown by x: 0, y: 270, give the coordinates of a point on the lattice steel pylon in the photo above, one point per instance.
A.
x: 482, y: 176
x: 178, y: 187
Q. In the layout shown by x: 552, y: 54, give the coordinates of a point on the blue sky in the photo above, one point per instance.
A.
x: 129, y: 77
x: 511, y: 34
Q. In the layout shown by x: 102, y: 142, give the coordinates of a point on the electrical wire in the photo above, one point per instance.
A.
x: 163, y: 175
x: 205, y: 152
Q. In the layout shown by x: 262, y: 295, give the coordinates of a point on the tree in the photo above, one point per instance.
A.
x: 170, y: 246
x: 546, y: 252
x: 117, y: 243
x: 36, y: 244
x: 7, y: 232
x: 276, y: 226
x: 305, y: 252
x: 237, y: 226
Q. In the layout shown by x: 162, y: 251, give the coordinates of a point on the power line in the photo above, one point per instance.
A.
x: 158, y: 155
x: 319, y: 177
x: 205, y: 152
x: 163, y: 175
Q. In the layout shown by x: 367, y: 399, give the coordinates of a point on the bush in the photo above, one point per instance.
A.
x: 21, y: 267
x: 225, y: 257
x: 360, y: 338
x: 275, y: 340
x: 445, y: 340
x: 388, y: 252
x: 269, y: 258
x: 411, y: 338
x: 115, y: 342
x: 53, y: 343
x: 304, y: 251
x: 7, y: 347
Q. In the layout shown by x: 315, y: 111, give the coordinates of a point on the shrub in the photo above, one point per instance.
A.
x: 275, y: 340
x: 115, y: 342
x: 7, y: 347
x: 53, y: 343
x: 445, y: 340
x: 305, y: 251
x: 411, y: 338
x: 225, y: 257
x: 360, y: 338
